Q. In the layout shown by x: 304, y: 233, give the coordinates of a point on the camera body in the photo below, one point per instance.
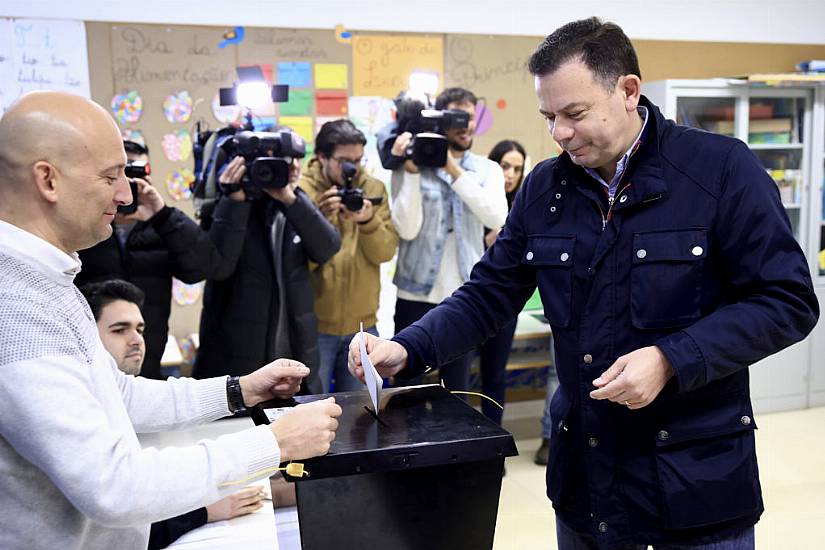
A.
x: 429, y: 146
x: 134, y: 169
x: 353, y: 198
x: 268, y: 157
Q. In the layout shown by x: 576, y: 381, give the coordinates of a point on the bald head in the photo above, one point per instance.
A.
x: 57, y: 151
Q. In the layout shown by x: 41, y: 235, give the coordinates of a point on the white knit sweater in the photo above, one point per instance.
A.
x: 72, y: 473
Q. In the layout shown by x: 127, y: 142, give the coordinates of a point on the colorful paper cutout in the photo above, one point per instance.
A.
x: 177, y: 107
x: 179, y: 184
x: 177, y: 146
x: 127, y: 107
x: 331, y: 104
x: 484, y: 119
x: 235, y: 36
x: 331, y: 76
x: 185, y: 294
x: 295, y: 75
x: 501, y: 104
x: 302, y: 125
x: 342, y: 35
x: 299, y: 104
x: 225, y: 114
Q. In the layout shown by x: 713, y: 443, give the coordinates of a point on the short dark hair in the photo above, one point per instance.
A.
x: 603, y: 47
x: 454, y: 95
x: 135, y: 148
x: 337, y: 132
x: 101, y: 294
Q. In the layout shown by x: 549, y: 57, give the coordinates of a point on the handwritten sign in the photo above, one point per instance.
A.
x: 42, y: 54
x: 382, y: 64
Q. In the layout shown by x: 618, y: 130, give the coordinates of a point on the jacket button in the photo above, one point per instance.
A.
x: 588, y: 359
x: 558, y: 195
x: 564, y: 256
x: 296, y: 239
x: 593, y: 442
x: 603, y: 527
x: 746, y: 420
x: 697, y: 250
x: 529, y: 256
x: 623, y: 199
x: 641, y: 253
x: 663, y: 435
x: 564, y: 182
x: 552, y: 209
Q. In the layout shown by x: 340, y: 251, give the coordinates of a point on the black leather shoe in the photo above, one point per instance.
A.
x: 543, y: 453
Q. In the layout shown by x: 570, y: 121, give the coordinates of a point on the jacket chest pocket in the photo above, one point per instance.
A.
x: 666, y: 277
x: 552, y: 257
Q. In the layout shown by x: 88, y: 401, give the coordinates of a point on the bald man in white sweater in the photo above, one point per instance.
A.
x: 72, y: 473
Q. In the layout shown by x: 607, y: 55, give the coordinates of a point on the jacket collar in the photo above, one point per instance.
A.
x: 644, y: 172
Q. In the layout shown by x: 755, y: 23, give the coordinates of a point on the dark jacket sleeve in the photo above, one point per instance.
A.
x: 227, y: 230
x: 192, y: 253
x: 319, y: 237
x: 770, y: 302
x: 498, y: 288
x: 163, y: 533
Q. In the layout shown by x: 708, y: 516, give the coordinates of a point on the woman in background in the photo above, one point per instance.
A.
x: 495, y: 352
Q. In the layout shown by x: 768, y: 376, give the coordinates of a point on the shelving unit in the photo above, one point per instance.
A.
x: 784, y: 126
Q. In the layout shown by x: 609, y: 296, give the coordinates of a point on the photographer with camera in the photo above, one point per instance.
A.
x: 348, y: 285
x: 440, y: 208
x: 150, y: 243
x: 258, y: 304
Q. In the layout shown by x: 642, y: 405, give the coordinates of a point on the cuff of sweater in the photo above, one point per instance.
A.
x: 211, y: 394
x: 371, y: 225
x: 260, y: 450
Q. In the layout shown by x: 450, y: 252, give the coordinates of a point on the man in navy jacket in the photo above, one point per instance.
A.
x: 666, y: 265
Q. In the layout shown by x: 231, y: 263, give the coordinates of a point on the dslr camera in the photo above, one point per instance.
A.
x: 353, y: 198
x: 134, y: 169
x: 268, y: 157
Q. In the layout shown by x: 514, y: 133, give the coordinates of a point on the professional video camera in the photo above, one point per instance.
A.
x: 268, y: 156
x: 353, y: 198
x: 134, y: 169
x: 429, y: 147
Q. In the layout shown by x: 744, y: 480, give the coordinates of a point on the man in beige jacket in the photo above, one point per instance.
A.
x: 347, y: 286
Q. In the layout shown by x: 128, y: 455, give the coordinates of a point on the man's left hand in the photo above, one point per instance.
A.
x: 285, y: 194
x: 362, y: 216
x: 280, y: 379
x: 149, y: 202
x: 635, y: 379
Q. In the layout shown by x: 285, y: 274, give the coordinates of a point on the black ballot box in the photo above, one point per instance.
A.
x: 425, y: 474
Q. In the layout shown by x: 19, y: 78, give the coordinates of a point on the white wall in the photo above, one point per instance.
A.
x: 769, y: 21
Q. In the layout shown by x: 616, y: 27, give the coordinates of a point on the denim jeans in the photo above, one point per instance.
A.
x: 334, y: 373
x: 568, y: 539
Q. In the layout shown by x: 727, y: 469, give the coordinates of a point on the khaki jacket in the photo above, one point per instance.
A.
x: 347, y: 286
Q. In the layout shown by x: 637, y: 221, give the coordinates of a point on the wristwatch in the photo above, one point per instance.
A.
x: 234, y: 395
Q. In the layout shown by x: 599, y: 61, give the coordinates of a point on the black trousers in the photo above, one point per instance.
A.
x: 456, y: 374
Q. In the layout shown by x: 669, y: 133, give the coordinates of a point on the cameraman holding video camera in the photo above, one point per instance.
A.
x: 150, y: 244
x: 441, y: 203
x: 258, y: 304
x: 348, y: 285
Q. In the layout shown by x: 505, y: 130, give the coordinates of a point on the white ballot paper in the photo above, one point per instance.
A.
x: 371, y: 376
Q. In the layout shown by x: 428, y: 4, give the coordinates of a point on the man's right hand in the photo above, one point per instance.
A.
x: 399, y: 149
x: 308, y: 430
x: 233, y: 173
x: 330, y: 203
x: 388, y: 357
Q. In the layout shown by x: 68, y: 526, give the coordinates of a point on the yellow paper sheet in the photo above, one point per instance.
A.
x: 381, y: 64
x: 301, y: 124
x: 331, y: 76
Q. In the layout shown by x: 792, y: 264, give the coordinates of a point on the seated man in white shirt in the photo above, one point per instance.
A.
x: 116, y: 306
x: 73, y: 471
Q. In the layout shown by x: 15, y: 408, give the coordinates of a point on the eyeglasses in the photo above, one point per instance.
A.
x: 362, y: 161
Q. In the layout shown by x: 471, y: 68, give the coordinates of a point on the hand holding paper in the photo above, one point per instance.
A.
x: 386, y: 356
x: 373, y: 379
